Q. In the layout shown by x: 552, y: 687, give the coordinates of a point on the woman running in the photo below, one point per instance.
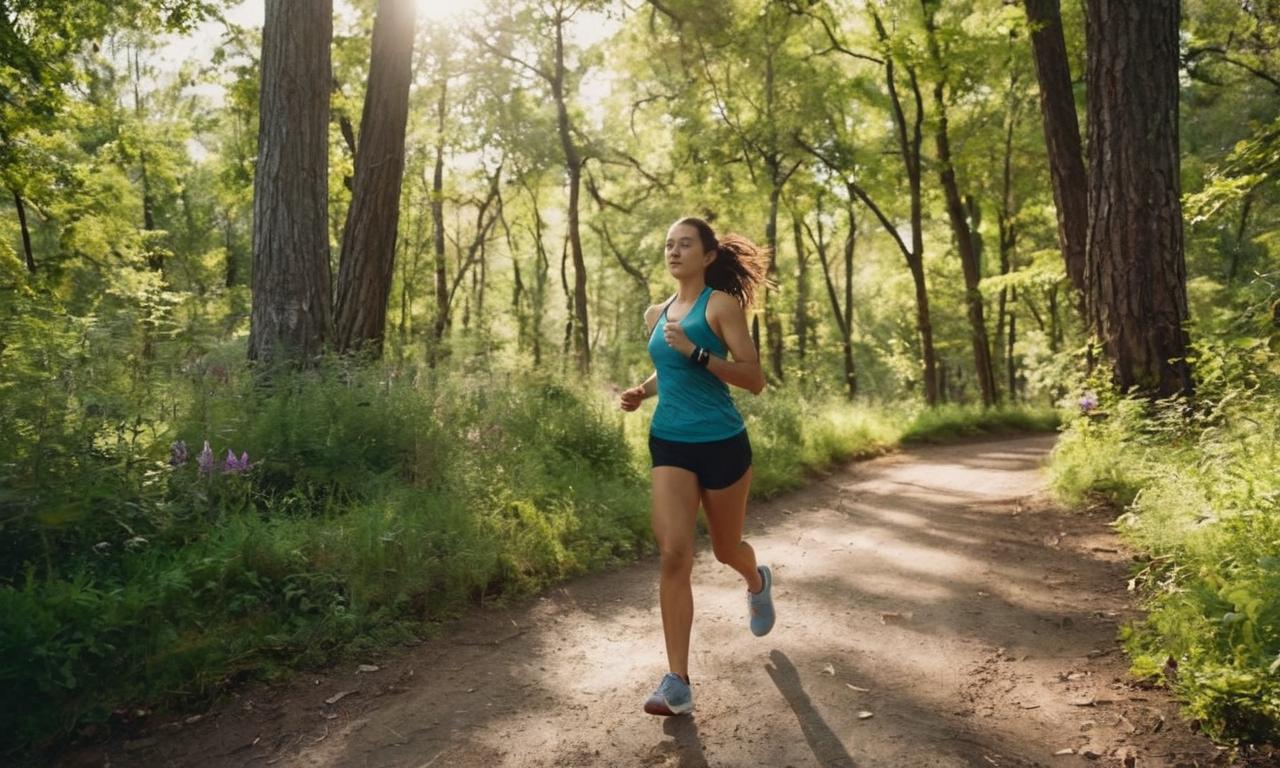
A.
x: 697, y: 439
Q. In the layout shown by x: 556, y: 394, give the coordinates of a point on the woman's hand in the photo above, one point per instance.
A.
x: 630, y: 399
x: 676, y: 338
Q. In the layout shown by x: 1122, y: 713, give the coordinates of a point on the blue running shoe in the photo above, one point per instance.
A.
x: 673, y: 697
x: 761, y: 604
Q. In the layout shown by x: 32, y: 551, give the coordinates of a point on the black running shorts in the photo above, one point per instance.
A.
x: 718, y: 464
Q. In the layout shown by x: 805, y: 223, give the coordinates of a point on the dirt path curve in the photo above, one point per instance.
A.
x: 935, y: 589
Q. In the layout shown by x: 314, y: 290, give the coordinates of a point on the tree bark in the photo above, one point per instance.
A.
x: 368, y: 256
x: 1135, y: 274
x: 1061, y: 134
x: 292, y: 314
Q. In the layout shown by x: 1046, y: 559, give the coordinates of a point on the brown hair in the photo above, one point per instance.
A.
x: 740, y: 267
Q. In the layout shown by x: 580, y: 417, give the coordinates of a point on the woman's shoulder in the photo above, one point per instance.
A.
x: 652, y: 312
x: 721, y: 301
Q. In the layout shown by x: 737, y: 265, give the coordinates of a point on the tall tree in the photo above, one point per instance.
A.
x: 292, y: 315
x: 549, y: 22
x: 367, y: 262
x: 1135, y: 271
x: 909, y: 139
x: 1061, y: 133
x: 964, y: 236
x: 832, y: 146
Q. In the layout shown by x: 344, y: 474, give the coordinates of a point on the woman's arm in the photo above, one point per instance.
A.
x: 630, y: 399
x: 725, y: 315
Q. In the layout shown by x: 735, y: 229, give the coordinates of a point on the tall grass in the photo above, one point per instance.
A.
x: 1200, y: 490
x: 378, y: 500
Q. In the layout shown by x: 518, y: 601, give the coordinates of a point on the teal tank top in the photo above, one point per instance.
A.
x: 693, y: 404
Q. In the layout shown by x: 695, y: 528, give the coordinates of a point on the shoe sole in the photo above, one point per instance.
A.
x: 656, y: 707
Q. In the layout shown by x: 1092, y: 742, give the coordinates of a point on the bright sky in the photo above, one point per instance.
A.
x: 586, y: 29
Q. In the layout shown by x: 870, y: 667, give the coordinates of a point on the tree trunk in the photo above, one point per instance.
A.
x: 573, y: 166
x: 368, y: 256
x: 909, y: 145
x: 26, y: 233
x: 959, y: 224
x: 1237, y: 248
x: 1007, y: 230
x: 542, y: 267
x: 843, y: 315
x: 1061, y: 134
x: 1135, y: 274
x: 437, y: 231
x: 1013, y: 337
x: 292, y: 316
x: 772, y: 324
x: 802, y: 287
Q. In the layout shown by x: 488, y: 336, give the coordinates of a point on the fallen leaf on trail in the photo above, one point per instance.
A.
x: 888, y: 616
x: 1067, y: 751
x: 829, y: 669
x: 1026, y: 705
x: 335, y: 698
x: 865, y: 715
x: 856, y: 688
x: 367, y: 668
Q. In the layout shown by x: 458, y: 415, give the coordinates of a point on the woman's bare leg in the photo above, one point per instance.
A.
x: 726, y: 509
x: 675, y: 508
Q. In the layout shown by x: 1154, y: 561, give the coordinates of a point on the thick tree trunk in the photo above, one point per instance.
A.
x: 1061, y: 134
x: 368, y: 256
x: 1135, y: 274
x: 292, y: 315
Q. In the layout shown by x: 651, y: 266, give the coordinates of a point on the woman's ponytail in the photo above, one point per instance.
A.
x: 740, y: 267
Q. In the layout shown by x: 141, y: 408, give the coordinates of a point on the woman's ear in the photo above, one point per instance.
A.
x: 710, y: 257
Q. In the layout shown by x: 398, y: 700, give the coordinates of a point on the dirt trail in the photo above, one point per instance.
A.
x: 935, y: 589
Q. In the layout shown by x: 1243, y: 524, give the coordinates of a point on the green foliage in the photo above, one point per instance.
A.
x: 372, y: 503
x: 948, y: 422
x: 1202, y: 504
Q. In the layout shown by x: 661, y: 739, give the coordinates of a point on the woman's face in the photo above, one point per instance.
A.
x: 685, y: 255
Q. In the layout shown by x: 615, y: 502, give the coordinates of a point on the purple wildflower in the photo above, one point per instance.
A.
x: 234, y: 465
x: 206, y: 459
x: 178, y: 453
x: 1088, y: 402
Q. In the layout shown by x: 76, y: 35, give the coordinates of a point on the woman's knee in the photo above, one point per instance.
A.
x: 676, y: 558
